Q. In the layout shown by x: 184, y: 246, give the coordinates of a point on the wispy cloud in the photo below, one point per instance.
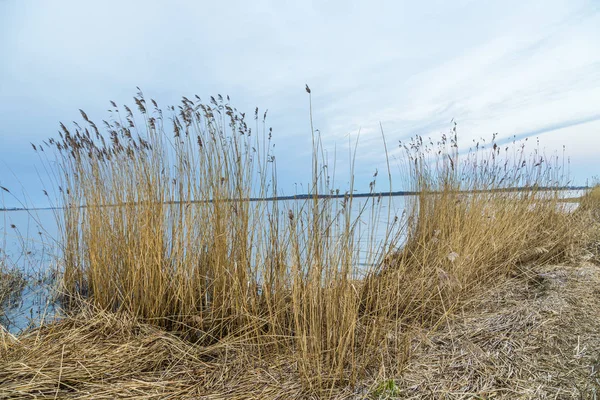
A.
x: 552, y: 127
x: 516, y: 68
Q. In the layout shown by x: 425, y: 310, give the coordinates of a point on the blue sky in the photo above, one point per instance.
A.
x: 530, y: 69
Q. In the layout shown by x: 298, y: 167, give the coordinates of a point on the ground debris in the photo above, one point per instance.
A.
x: 533, y: 337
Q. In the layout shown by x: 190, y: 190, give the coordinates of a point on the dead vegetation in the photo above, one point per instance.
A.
x: 11, y: 283
x: 213, y: 296
x: 535, y: 336
x: 532, y: 337
x: 100, y: 355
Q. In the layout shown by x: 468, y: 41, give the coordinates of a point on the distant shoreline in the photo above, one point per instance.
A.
x: 324, y: 196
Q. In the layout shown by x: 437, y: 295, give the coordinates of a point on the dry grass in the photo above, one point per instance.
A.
x: 189, y: 290
x: 591, y: 200
x: 594, y: 194
x: 11, y: 283
x: 465, y: 233
x: 11, y: 279
x: 98, y: 355
x: 168, y: 236
x: 532, y: 338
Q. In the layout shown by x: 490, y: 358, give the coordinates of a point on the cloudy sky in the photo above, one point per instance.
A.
x: 524, y: 68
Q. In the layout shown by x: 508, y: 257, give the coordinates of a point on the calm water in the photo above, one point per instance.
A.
x: 32, y: 247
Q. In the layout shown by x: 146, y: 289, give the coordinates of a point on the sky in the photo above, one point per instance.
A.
x: 515, y: 68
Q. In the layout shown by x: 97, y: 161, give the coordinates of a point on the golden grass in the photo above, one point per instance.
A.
x: 464, y: 233
x: 591, y: 199
x: 101, y: 355
x: 190, y: 290
x: 11, y: 284
x: 167, y: 235
x: 532, y: 337
x: 594, y: 193
x: 11, y: 279
x: 535, y: 336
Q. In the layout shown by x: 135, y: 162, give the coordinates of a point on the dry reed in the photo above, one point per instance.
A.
x: 202, y: 292
x: 479, y: 216
x: 160, y: 225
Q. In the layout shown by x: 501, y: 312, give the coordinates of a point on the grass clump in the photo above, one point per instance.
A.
x: 12, y: 282
x: 194, y: 284
x: 478, y: 217
x: 158, y: 224
x: 591, y: 199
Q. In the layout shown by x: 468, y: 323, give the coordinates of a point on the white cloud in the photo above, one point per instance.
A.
x: 507, y: 67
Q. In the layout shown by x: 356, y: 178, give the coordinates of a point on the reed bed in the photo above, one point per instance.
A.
x: 468, y: 227
x: 180, y: 286
x: 27, y: 269
x: 591, y: 199
x: 12, y: 281
x: 158, y: 224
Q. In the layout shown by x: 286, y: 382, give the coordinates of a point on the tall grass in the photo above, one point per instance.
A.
x: 479, y: 216
x: 591, y: 200
x: 26, y: 266
x: 157, y: 224
x: 11, y: 280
